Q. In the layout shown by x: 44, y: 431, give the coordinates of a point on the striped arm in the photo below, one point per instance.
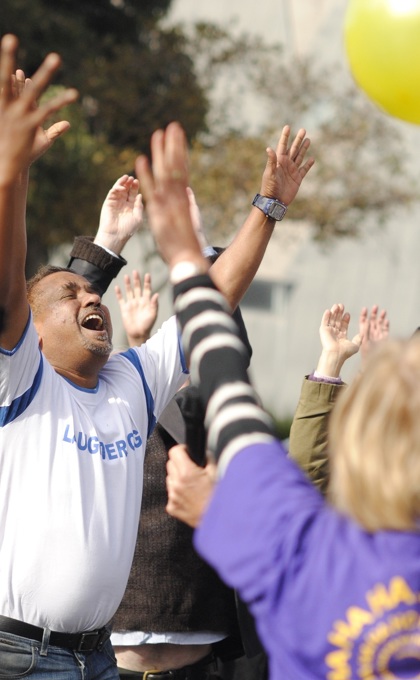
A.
x: 218, y: 363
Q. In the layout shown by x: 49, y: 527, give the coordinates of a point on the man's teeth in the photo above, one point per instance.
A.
x: 94, y: 317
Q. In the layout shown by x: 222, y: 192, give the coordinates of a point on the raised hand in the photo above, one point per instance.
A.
x: 44, y: 138
x: 336, y: 346
x: 373, y: 327
x: 121, y: 214
x: 285, y: 169
x: 20, y: 118
x: 189, y: 486
x: 138, y: 309
x: 164, y: 189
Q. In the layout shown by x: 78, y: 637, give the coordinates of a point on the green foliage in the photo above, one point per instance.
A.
x: 133, y: 76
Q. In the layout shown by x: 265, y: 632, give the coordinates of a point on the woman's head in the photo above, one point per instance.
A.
x: 375, y: 441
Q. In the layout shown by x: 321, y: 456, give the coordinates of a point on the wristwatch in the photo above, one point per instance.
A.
x: 270, y: 207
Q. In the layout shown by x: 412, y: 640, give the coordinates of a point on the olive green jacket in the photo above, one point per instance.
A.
x: 308, y: 443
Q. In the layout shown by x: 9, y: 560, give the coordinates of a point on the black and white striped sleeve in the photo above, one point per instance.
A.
x: 218, y: 363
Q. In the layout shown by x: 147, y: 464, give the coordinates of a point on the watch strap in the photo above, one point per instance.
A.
x: 271, y: 207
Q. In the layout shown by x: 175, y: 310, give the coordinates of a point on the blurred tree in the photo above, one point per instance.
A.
x: 133, y: 76
x: 231, y: 92
x: 359, y: 177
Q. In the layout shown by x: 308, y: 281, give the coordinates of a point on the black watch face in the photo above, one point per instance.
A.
x: 276, y: 211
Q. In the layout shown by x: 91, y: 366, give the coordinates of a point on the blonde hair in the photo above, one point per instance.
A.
x: 375, y: 441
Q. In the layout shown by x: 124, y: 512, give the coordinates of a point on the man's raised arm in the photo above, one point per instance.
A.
x: 100, y: 260
x: 282, y: 177
x: 19, y: 121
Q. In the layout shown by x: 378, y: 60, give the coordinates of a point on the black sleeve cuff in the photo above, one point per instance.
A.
x: 93, y: 262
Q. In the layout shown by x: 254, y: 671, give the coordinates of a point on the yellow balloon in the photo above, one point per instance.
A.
x: 382, y: 39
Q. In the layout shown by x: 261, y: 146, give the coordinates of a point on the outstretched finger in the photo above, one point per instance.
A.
x: 283, y: 142
x: 56, y: 130
x: 364, y: 325
x: 345, y: 322
x: 120, y: 182
x: 27, y: 84
x: 136, y: 283
x: 326, y: 319
x: 8, y: 48
x: 147, y: 286
x: 300, y: 155
x: 132, y: 190
x: 176, y: 152
x: 138, y: 209
x: 363, y: 315
x: 296, y: 144
x: 17, y: 83
x: 336, y: 314
x: 154, y: 301
x: 304, y: 169
x: 271, y: 164
x: 157, y: 147
x: 52, y: 105
x: 129, y: 293
x: 382, y: 325
x: 118, y: 294
x: 42, y: 77
x: 20, y: 81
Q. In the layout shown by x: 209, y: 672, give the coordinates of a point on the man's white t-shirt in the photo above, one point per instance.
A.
x: 71, y: 477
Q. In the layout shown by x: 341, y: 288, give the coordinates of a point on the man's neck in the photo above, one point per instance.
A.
x: 82, y: 378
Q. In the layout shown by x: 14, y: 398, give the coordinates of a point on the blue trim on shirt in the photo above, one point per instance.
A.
x: 90, y: 390
x: 20, y: 404
x: 133, y: 357
x: 182, y: 356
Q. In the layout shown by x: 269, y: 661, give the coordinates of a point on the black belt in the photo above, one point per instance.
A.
x: 78, y: 642
x: 196, y: 671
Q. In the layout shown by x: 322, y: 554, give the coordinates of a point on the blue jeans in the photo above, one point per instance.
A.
x: 23, y: 658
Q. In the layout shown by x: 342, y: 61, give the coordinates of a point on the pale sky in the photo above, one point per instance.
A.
x: 294, y: 23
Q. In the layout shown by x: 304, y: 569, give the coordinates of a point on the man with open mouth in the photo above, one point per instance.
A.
x: 74, y: 418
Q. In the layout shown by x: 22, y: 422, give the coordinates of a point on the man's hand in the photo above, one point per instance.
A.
x: 164, y: 188
x: 121, y: 214
x: 336, y: 346
x: 284, y: 171
x: 189, y: 486
x: 138, y: 309
x: 20, y: 117
x: 44, y: 138
x: 373, y: 328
